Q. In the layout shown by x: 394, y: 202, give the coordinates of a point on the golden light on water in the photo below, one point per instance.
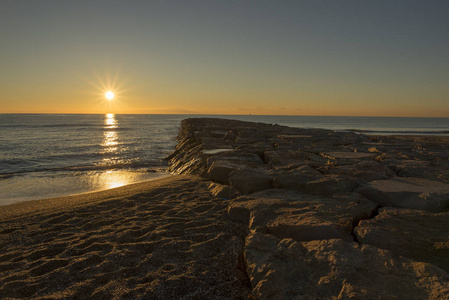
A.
x: 110, y: 140
x: 112, y: 179
x: 110, y: 121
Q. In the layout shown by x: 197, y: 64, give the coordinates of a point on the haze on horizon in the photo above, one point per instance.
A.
x: 351, y: 58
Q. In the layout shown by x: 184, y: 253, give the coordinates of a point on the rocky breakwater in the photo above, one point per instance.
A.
x: 330, y: 215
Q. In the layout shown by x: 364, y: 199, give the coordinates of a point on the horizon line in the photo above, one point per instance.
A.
x: 225, y: 114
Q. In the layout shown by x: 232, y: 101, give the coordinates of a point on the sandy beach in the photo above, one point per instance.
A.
x: 160, y: 239
x: 255, y: 211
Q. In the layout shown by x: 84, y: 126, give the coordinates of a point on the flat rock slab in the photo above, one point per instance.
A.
x: 281, y: 158
x: 303, y: 180
x: 378, y: 144
x: 336, y: 269
x: 419, y: 235
x: 366, y: 170
x: 220, y: 170
x: 349, y: 155
x: 218, y: 133
x: 294, y: 136
x: 437, y: 171
x: 216, y: 151
x: 290, y: 214
x: 416, y: 193
x: 222, y: 191
x: 250, y: 180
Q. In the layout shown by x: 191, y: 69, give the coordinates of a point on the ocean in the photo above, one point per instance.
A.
x: 51, y: 155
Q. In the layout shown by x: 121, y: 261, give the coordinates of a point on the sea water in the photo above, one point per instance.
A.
x: 50, y: 155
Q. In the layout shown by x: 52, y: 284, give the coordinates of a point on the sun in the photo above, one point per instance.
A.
x: 109, y: 95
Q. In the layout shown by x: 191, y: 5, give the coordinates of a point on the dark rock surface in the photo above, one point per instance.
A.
x: 302, y: 217
x: 310, y: 199
x: 337, y: 269
x: 405, y: 192
x: 416, y: 234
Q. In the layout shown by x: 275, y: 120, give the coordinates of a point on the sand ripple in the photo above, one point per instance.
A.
x: 166, y: 239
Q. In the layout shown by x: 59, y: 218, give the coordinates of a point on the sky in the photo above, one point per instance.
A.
x: 343, y: 58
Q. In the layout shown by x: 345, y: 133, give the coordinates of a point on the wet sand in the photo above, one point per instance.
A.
x: 157, y: 239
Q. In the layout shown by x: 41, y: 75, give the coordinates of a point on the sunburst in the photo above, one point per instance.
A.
x: 109, y: 95
x: 108, y: 87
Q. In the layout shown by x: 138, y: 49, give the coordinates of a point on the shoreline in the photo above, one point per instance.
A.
x: 416, y: 138
x: 56, y: 187
x: 255, y: 210
x: 18, y: 209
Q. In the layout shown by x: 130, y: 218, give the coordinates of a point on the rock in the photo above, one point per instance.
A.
x: 247, y: 140
x: 220, y: 170
x: 210, y: 143
x: 292, y: 252
x: 186, y: 159
x: 292, y: 177
x: 257, y: 148
x: 290, y: 214
x: 306, y: 181
x: 229, y: 136
x: 212, y: 152
x: 437, y: 171
x: 366, y: 170
x: 336, y: 269
x: 419, y: 235
x: 222, y: 191
x: 350, y: 155
x: 286, y: 157
x: 221, y: 165
x: 218, y: 133
x: 413, y: 193
x: 239, y: 214
x: 294, y: 136
x: 250, y: 180
x: 237, y: 157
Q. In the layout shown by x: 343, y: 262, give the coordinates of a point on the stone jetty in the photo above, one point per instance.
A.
x: 328, y: 215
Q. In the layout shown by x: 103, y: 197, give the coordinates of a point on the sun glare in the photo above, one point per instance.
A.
x: 109, y: 95
x: 108, y: 92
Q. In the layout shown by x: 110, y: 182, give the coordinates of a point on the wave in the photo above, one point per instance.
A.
x: 50, y: 125
x: 94, y: 127
x: 147, y: 165
x: 400, y: 132
x: 139, y: 167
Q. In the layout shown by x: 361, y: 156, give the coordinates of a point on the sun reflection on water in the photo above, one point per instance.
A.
x: 111, y: 179
x: 116, y: 178
x: 110, y: 121
x: 110, y: 140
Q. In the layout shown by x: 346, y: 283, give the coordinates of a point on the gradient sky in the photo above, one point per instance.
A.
x: 353, y: 58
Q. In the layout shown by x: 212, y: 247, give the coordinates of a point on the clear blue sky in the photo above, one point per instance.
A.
x: 382, y: 58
